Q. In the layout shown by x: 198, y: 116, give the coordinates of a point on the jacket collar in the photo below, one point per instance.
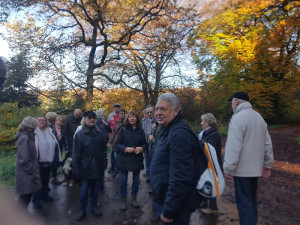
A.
x: 177, y: 118
x: 89, y: 130
x: 242, y: 106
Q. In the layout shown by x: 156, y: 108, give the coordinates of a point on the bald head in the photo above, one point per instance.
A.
x: 77, y: 113
x: 2, y: 74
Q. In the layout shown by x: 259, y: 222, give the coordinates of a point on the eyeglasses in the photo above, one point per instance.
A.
x: 150, y: 112
x: 91, y: 117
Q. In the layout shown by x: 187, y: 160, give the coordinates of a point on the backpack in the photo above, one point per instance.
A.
x: 211, y: 182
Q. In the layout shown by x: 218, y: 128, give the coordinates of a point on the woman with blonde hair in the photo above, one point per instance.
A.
x: 211, y: 135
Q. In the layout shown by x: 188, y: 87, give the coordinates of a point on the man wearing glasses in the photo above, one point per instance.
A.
x: 89, y: 160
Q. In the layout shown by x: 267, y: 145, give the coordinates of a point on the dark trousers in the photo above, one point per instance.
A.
x: 112, y: 159
x: 91, y: 185
x: 117, y: 157
x: 135, y: 183
x: 25, y: 199
x: 147, y: 162
x: 245, y: 194
x: 181, y: 218
x: 41, y: 194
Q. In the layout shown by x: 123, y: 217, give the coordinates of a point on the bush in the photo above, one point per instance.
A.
x: 10, y: 118
x: 7, y: 167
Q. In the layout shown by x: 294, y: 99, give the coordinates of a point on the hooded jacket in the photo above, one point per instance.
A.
x: 27, y: 173
x: 249, y: 147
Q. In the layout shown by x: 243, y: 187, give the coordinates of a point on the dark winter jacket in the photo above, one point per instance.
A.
x: 89, y: 153
x: 174, y: 169
x: 105, y: 129
x: 70, y: 127
x: 213, y: 137
x: 129, y: 137
x: 27, y: 173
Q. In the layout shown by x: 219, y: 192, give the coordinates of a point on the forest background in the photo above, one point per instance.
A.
x: 90, y: 54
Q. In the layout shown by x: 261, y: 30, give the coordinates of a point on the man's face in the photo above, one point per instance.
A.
x: 41, y: 122
x: 117, y: 109
x: 77, y: 113
x: 150, y: 112
x: 164, y: 112
x: 90, y: 121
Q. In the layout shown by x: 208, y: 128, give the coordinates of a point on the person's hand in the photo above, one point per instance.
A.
x: 228, y: 176
x: 266, y: 173
x: 129, y: 149
x: 108, y: 144
x: 150, y: 137
x: 138, y: 150
x: 165, y: 220
x: 104, y: 122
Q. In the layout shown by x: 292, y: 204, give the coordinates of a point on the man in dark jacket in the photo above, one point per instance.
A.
x: 72, y: 122
x: 174, y: 168
x: 89, y: 160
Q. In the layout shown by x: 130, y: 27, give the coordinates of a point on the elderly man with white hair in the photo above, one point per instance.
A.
x: 174, y: 168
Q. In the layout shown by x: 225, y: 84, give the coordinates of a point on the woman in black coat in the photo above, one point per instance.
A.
x: 131, y: 143
x: 211, y: 135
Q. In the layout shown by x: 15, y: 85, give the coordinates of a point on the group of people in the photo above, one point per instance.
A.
x: 169, y: 148
x: 163, y: 138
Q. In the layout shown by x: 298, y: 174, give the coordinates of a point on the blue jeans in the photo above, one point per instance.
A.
x: 93, y: 186
x: 135, y: 183
x: 117, y: 157
x: 112, y: 159
x: 147, y: 162
x: 245, y: 194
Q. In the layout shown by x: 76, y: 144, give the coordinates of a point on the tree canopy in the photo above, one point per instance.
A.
x: 251, y: 46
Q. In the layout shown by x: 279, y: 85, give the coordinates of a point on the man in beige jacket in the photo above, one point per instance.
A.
x: 248, y: 155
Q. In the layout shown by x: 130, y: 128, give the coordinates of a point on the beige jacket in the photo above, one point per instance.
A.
x: 249, y: 147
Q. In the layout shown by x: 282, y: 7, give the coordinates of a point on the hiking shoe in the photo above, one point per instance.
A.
x: 155, y: 218
x: 124, y: 204
x: 37, y: 205
x: 111, y: 170
x: 209, y: 211
x: 147, y: 174
x: 134, y: 203
x: 96, y: 212
x: 55, y: 181
x: 80, y: 215
x: 72, y: 183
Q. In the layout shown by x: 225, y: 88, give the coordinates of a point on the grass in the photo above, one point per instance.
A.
x: 277, y: 126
